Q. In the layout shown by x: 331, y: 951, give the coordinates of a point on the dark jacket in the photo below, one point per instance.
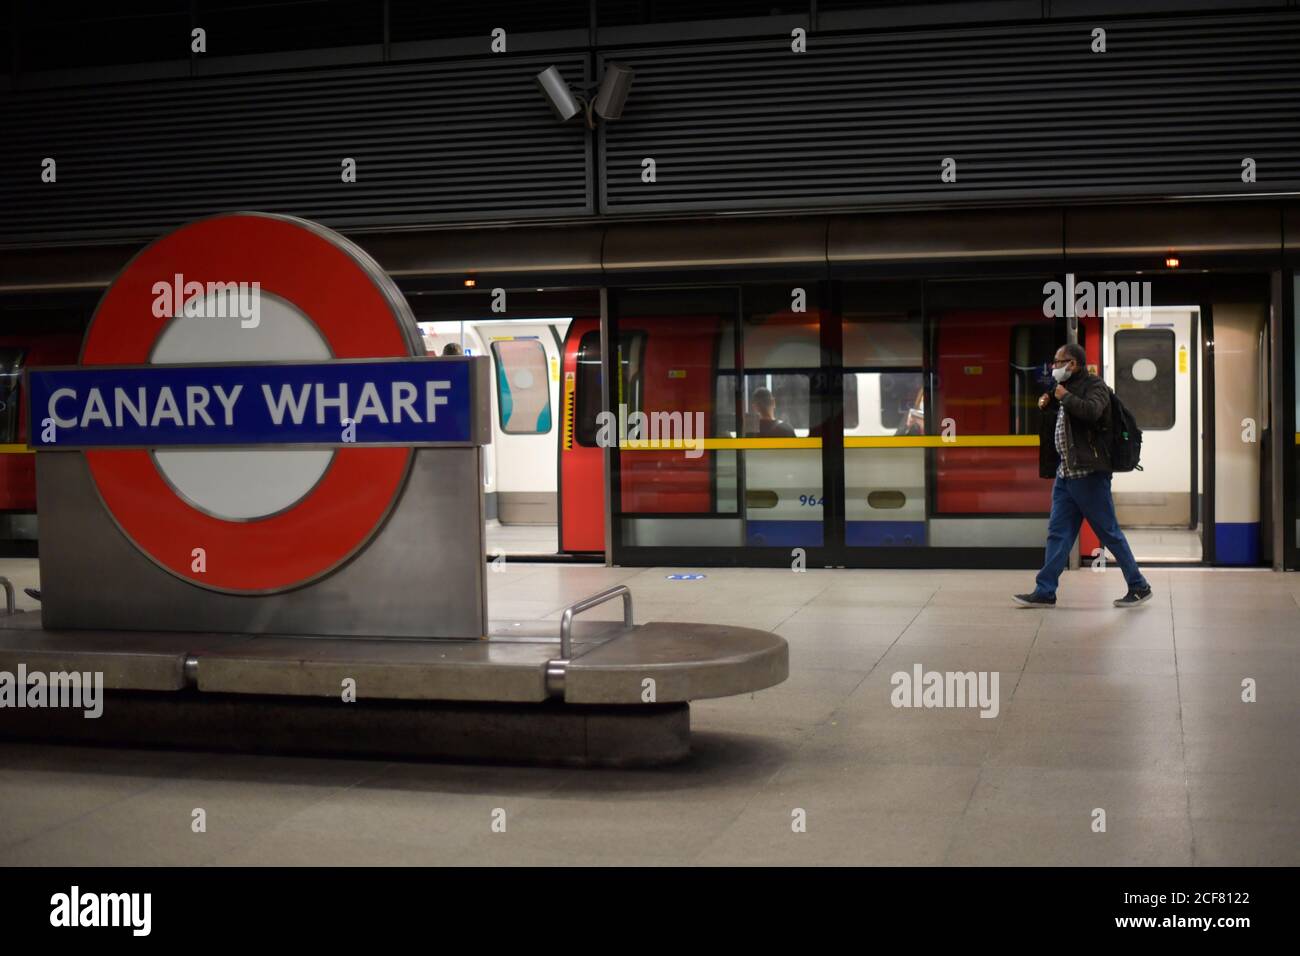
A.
x: 774, y: 428
x: 1087, y: 417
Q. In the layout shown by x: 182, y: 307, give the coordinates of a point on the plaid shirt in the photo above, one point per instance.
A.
x: 1061, y: 470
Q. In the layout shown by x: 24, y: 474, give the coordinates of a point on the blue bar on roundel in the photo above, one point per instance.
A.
x: 371, y: 402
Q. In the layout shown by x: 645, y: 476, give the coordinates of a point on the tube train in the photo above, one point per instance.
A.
x: 982, y: 386
x: 939, y: 426
x: 19, y: 350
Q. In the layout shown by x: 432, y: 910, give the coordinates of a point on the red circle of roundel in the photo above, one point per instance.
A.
x: 357, y: 319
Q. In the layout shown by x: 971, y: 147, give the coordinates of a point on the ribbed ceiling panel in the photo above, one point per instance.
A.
x: 1172, y: 107
x: 454, y: 141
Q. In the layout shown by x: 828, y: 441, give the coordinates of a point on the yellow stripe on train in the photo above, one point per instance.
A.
x: 941, y: 441
x: 852, y: 441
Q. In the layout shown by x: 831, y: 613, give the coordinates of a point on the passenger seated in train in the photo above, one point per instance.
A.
x: 763, y: 405
x: 914, y: 423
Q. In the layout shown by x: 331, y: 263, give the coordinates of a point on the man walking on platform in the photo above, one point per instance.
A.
x: 1077, y: 454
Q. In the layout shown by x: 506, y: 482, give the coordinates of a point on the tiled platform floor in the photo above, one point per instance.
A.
x: 1137, y: 713
x: 511, y: 539
x: 1163, y: 544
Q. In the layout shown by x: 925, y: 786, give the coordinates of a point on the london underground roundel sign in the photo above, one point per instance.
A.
x: 217, y: 380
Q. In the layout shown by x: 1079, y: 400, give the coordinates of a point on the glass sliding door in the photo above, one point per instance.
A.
x: 991, y: 349
x: 941, y: 424
x: 757, y: 425
x: 721, y: 399
x: 783, y: 409
x: 675, y: 485
x: 885, y: 387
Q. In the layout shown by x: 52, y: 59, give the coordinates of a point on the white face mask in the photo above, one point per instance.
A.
x: 1061, y: 374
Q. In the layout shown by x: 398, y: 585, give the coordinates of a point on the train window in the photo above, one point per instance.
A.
x: 884, y: 403
x: 587, y: 388
x: 631, y: 371
x: 776, y: 405
x: 724, y: 405
x: 792, y: 404
x: 902, y: 402
x: 782, y: 405
x: 523, y: 387
x: 1144, y: 376
x: 631, y: 348
x: 11, y: 377
x: 989, y: 367
x: 1032, y: 346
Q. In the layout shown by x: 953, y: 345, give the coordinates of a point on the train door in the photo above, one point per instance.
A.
x: 438, y: 337
x: 673, y: 488
x: 940, y: 420
x: 582, y: 460
x: 1150, y: 358
x: 520, y: 484
x: 733, y: 385
x: 884, y: 400
x: 776, y: 467
x: 22, y: 347
x: 526, y: 399
x: 17, y: 483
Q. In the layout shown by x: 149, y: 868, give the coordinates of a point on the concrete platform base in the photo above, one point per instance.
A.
x: 621, y: 699
x: 546, y: 733
x: 611, y: 664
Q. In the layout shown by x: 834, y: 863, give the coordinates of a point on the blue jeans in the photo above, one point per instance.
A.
x: 1074, y: 499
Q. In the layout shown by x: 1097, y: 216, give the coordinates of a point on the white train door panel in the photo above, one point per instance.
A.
x: 437, y: 336
x: 526, y: 416
x: 1150, y: 360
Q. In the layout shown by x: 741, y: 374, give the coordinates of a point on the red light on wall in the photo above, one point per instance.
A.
x: 1171, y: 262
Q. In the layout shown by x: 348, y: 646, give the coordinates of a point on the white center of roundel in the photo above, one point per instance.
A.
x: 1144, y: 370
x: 242, y: 484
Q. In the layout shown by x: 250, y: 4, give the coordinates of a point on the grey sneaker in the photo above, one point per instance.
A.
x: 1035, y: 600
x: 1134, y: 598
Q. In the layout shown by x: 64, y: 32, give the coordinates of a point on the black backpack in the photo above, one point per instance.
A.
x: 1124, y: 436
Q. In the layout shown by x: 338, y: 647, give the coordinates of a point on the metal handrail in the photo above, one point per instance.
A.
x: 586, y: 604
x: 11, y: 603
